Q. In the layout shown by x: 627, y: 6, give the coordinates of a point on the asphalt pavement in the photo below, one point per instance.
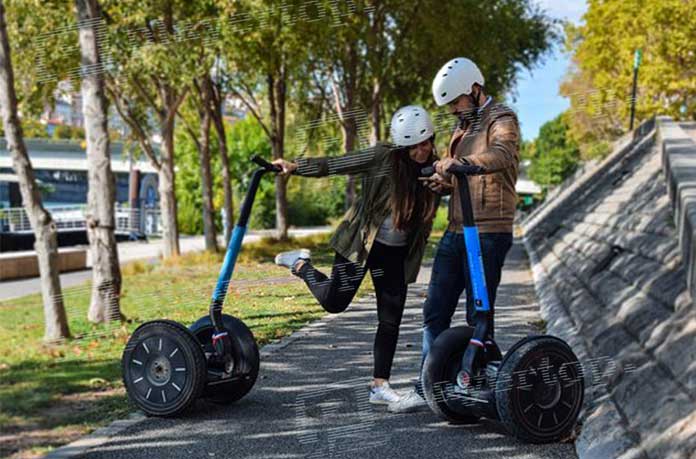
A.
x: 311, y: 397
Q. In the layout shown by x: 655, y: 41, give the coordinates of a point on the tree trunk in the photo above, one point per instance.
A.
x: 206, y: 177
x: 350, y: 134
x: 281, y: 198
x: 228, y: 217
x: 166, y: 176
x: 375, y: 115
x: 46, y: 245
x: 277, y: 92
x: 106, y: 274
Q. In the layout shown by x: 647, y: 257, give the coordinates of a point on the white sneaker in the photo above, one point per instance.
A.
x: 288, y: 259
x: 408, y: 403
x: 383, y: 395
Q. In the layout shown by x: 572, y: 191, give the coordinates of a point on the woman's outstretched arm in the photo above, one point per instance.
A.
x: 355, y: 162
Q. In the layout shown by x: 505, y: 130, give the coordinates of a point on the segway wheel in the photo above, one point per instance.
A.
x: 246, y: 360
x: 164, y: 368
x: 540, y: 390
x: 440, y: 374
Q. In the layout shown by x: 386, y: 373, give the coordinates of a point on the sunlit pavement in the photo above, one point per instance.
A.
x: 132, y: 251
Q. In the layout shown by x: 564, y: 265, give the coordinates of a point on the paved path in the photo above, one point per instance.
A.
x: 132, y: 251
x: 311, y: 398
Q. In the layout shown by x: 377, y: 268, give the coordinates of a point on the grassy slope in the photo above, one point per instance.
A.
x: 56, y: 393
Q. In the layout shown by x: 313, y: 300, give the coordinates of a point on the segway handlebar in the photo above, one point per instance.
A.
x: 459, y: 171
x: 265, y: 164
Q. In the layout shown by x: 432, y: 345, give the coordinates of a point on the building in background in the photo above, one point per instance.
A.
x: 61, y: 169
x: 528, y: 191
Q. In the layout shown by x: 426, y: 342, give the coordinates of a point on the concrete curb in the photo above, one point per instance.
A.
x: 677, y: 150
x: 604, y: 432
x: 103, y: 434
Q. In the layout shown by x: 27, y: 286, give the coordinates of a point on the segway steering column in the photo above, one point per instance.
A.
x: 476, y: 272
x: 221, y: 341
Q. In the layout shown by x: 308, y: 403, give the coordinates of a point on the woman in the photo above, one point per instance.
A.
x: 384, y: 231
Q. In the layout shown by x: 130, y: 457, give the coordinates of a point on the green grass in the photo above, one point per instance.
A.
x: 71, y: 388
x: 431, y: 245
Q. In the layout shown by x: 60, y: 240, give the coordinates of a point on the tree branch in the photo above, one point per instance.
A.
x: 128, y: 117
x: 253, y: 111
x: 189, y: 129
x: 143, y: 93
x: 174, y: 108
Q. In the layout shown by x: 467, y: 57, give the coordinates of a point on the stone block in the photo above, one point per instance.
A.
x: 650, y: 400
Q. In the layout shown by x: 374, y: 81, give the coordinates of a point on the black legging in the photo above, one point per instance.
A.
x: 386, y: 265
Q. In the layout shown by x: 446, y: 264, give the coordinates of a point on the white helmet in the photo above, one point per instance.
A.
x: 454, y: 79
x: 411, y: 125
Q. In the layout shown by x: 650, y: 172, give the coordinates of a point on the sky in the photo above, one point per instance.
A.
x: 537, y: 99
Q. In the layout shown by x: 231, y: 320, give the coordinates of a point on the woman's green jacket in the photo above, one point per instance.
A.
x: 356, y: 233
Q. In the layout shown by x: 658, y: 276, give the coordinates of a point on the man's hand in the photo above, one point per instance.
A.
x: 437, y: 184
x: 442, y: 165
x: 287, y: 166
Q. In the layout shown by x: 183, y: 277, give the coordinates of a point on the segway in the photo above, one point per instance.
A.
x: 167, y: 366
x: 536, y: 390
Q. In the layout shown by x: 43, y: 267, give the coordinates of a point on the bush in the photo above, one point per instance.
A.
x: 245, y: 138
x: 553, y: 154
x: 597, y: 150
x: 64, y: 131
x: 316, y: 202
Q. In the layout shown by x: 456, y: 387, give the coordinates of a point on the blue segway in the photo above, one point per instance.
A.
x: 536, y: 390
x: 167, y: 366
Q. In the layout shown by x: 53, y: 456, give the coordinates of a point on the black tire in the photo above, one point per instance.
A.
x: 247, y: 360
x: 163, y: 367
x: 440, y: 373
x: 540, y: 390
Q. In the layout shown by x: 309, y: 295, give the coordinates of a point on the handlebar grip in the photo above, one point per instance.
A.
x: 466, y: 169
x: 265, y: 164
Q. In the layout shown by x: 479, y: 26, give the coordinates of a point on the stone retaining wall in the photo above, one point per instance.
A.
x: 15, y: 265
x: 611, y: 278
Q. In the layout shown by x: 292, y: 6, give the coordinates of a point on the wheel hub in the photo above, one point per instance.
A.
x: 547, y: 395
x: 159, y: 370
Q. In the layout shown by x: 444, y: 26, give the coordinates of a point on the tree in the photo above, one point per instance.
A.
x: 217, y: 102
x: 412, y: 40
x: 200, y: 101
x: 384, y: 53
x: 148, y: 80
x: 264, y: 59
x: 553, y: 154
x: 599, y: 83
x: 247, y: 138
x: 46, y: 245
x: 106, y: 272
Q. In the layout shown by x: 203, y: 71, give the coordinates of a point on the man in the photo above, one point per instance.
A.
x: 487, y: 135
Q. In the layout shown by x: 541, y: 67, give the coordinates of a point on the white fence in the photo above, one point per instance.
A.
x: 72, y: 218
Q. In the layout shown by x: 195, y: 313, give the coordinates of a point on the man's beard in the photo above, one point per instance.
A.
x: 468, y: 116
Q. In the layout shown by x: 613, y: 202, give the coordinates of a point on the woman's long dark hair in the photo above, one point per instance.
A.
x: 412, y: 204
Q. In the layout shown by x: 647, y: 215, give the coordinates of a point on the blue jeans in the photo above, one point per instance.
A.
x: 450, y: 277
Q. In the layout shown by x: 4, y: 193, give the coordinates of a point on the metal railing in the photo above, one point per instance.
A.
x: 72, y: 218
